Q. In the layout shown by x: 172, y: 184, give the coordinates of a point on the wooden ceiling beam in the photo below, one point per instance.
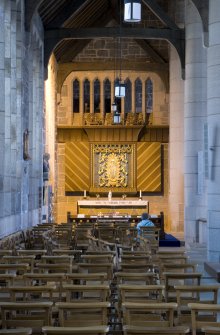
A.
x: 91, y: 33
x: 175, y: 37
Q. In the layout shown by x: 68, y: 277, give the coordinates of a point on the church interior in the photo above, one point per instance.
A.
x: 109, y: 114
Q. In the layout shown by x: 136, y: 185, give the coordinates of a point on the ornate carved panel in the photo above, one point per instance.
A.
x: 113, y: 168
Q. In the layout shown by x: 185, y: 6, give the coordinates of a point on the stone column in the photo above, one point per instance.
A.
x: 176, y: 193
x: 213, y: 110
x: 194, y: 120
x: 176, y: 144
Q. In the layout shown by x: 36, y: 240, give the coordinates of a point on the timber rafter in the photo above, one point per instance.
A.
x: 175, y: 37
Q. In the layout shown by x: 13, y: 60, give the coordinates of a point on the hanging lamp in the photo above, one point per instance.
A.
x: 119, y: 89
x: 132, y: 10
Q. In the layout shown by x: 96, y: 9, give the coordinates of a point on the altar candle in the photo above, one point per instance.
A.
x: 140, y: 194
x: 84, y: 193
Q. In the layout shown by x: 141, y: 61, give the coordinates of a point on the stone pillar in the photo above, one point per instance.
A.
x: 176, y: 144
x: 194, y: 120
x: 213, y: 111
x: 176, y: 192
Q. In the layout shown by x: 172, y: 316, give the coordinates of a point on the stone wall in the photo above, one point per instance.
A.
x: 21, y: 86
x: 160, y: 115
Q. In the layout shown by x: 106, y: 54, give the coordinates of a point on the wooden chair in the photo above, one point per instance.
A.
x: 20, y: 331
x: 176, y: 278
x: 93, y: 330
x: 204, y: 315
x: 33, y: 252
x: 98, y: 258
x: 69, y: 252
x: 55, y: 268
x: 6, y: 252
x: 211, y: 330
x: 81, y: 237
x: 29, y: 259
x: 131, y: 330
x: 143, y: 278
x: 141, y: 293
x: 86, y: 293
x: 185, y: 294
x: 137, y: 268
x: 31, y: 293
x: 106, y: 232
x: 148, y: 314
x: 7, y: 279
x: 46, y: 279
x: 136, y: 259
x: 97, y: 267
x: 78, y: 314
x: 20, y: 268
x: 34, y: 315
x: 59, y: 259
x: 87, y: 278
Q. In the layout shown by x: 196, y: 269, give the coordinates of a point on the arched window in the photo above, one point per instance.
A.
x: 117, y: 100
x: 96, y: 96
x: 138, y: 96
x: 76, y: 96
x: 149, y: 96
x: 86, y: 96
x: 128, y: 96
x: 107, y: 96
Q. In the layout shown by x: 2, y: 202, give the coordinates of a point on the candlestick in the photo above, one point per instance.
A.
x: 84, y: 193
x: 140, y: 194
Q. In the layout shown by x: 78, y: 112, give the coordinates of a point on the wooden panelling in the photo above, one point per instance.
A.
x: 77, y: 166
x: 155, y: 134
x: 149, y: 167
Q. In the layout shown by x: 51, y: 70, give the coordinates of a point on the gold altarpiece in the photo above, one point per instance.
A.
x: 113, y: 168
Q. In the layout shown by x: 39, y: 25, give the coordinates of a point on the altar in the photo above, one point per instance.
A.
x: 106, y: 207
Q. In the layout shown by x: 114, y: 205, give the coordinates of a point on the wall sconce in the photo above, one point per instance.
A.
x: 132, y: 10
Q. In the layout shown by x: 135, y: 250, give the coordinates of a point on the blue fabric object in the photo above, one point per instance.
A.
x: 144, y: 223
